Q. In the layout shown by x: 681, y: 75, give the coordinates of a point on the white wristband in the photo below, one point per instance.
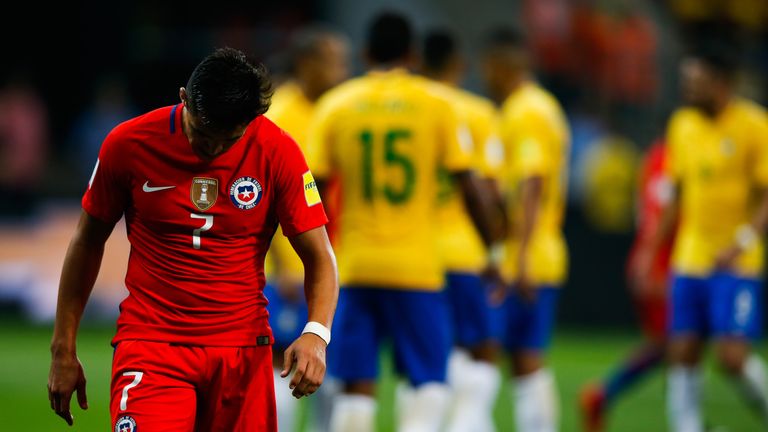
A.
x: 746, y: 236
x: 318, y: 329
x: 496, y: 254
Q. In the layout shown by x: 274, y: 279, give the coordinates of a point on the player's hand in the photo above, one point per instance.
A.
x: 525, y: 288
x: 727, y: 258
x: 499, y: 289
x: 307, y: 355
x: 641, y: 267
x: 524, y: 285
x: 66, y: 377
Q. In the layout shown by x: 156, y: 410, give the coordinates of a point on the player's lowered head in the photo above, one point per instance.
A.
x: 319, y: 60
x: 441, y: 59
x: 707, y: 76
x: 223, y: 95
x: 389, y: 43
x: 506, y: 62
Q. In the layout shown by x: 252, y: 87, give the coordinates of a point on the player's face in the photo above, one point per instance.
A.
x: 329, y: 66
x: 210, y: 143
x: 697, y: 83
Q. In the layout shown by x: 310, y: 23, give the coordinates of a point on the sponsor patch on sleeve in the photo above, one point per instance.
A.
x: 311, y: 194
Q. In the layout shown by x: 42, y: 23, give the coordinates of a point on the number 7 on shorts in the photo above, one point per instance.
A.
x: 136, y: 380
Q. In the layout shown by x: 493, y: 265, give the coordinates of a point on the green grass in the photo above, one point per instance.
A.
x: 577, y: 356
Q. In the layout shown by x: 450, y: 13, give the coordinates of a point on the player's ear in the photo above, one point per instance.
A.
x: 183, y: 95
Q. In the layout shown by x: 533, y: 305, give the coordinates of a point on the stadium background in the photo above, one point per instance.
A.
x: 73, y: 71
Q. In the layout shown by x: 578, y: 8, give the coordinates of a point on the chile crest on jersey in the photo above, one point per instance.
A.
x: 245, y: 192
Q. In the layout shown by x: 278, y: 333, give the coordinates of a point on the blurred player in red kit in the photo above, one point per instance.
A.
x: 649, y: 295
x: 203, y: 186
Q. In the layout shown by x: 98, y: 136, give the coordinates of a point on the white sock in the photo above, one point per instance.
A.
x: 322, y: 405
x: 353, y: 413
x: 536, y: 404
x: 684, y: 399
x: 286, y: 404
x: 753, y: 384
x: 475, y: 388
x: 404, y: 394
x: 427, y: 408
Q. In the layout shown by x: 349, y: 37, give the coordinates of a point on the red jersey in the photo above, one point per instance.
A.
x: 199, y: 230
x: 655, y: 192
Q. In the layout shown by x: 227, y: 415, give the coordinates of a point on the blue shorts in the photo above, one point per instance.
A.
x: 287, y: 319
x: 416, y: 323
x: 528, y: 325
x: 470, y: 309
x: 721, y: 305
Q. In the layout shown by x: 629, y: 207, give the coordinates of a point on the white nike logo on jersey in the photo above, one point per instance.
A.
x: 148, y: 188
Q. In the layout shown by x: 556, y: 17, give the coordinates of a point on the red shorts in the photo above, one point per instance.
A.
x: 654, y: 317
x: 160, y: 387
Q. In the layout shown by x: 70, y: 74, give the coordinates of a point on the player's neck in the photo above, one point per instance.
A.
x: 310, y: 93
x: 443, y: 78
x: 721, y: 103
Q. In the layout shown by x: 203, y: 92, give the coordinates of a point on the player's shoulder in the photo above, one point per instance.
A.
x: 684, y: 116
x: 750, y: 110
x: 478, y: 103
x: 155, y: 120
x: 531, y: 101
x: 281, y: 98
x: 344, y: 93
x: 143, y: 127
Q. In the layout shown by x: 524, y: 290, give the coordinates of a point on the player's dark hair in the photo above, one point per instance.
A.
x: 719, y: 56
x: 390, y: 37
x: 226, y: 90
x: 505, y: 37
x: 440, y: 46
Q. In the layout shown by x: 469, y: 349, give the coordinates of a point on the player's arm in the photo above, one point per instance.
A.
x: 81, y: 266
x: 531, y: 192
x: 664, y: 231
x: 307, y: 353
x: 481, y: 206
x: 748, y: 234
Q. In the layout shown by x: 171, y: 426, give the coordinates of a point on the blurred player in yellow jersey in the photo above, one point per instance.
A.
x: 385, y: 135
x: 318, y: 61
x: 536, y: 137
x: 718, y: 166
x: 472, y: 371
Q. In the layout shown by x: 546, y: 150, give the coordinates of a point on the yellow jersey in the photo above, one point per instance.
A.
x: 384, y: 135
x: 461, y: 246
x: 537, y: 143
x: 292, y: 111
x: 718, y: 164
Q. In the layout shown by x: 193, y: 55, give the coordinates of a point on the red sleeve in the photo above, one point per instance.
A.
x: 299, y: 208
x: 108, y: 190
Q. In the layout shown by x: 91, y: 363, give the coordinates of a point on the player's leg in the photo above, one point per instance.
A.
x: 736, y: 313
x: 688, y: 327
x: 529, y: 333
x: 353, y: 359
x: 286, y: 319
x: 418, y: 322
x: 596, y: 399
x: 472, y: 371
x: 151, y: 389
x: 238, y: 394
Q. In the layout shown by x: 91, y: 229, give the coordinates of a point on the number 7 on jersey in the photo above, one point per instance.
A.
x: 196, y: 232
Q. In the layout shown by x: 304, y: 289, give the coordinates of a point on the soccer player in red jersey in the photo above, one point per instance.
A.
x: 649, y: 293
x: 203, y: 186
